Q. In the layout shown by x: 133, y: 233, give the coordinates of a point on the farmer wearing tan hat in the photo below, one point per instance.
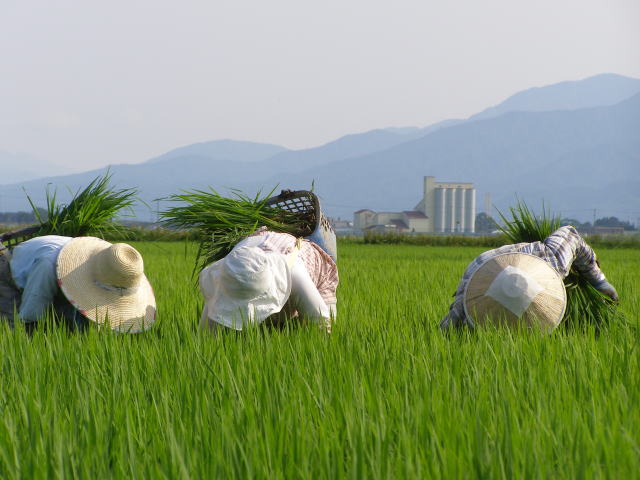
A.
x: 269, y: 275
x: 83, y: 279
x: 522, y: 284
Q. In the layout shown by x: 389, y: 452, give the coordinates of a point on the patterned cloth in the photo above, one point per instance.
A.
x: 563, y: 249
x: 321, y: 267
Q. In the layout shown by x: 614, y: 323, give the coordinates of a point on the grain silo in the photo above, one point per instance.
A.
x: 451, y: 206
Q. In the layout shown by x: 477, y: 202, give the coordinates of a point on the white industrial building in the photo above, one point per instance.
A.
x: 446, y: 207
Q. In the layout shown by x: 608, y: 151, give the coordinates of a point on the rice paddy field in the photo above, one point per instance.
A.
x: 387, y: 395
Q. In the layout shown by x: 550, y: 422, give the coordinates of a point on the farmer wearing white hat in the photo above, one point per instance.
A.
x: 522, y: 284
x: 269, y: 275
x: 83, y: 279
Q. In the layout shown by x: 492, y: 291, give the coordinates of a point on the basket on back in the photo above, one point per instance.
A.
x: 307, y: 206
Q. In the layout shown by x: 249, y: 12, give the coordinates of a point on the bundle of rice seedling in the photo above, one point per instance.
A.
x: 585, y: 304
x: 91, y: 211
x: 219, y: 222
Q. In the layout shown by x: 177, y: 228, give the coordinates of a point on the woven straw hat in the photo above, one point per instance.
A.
x: 516, y: 289
x: 106, y: 283
x: 245, y: 287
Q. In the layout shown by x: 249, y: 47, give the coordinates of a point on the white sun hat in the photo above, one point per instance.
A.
x: 516, y: 289
x: 106, y: 283
x: 245, y: 287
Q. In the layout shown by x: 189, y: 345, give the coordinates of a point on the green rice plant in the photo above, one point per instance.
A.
x: 220, y: 222
x: 585, y: 304
x: 91, y: 211
x: 385, y: 396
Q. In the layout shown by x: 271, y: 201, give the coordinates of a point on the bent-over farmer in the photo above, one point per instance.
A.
x: 270, y: 275
x: 83, y: 279
x: 522, y: 284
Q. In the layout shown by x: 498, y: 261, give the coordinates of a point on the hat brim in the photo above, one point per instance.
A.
x: 545, y: 311
x: 132, y: 312
x: 223, y: 308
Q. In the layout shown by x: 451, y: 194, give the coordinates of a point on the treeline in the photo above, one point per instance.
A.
x: 21, y: 218
x: 129, y: 233
x: 159, y: 234
x: 609, y: 222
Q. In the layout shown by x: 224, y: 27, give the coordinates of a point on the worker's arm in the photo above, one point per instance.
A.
x: 307, y: 299
x: 571, y: 250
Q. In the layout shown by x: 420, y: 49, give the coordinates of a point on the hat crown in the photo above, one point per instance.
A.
x: 245, y: 287
x: 245, y: 271
x: 120, y: 265
x: 515, y: 288
x: 514, y: 284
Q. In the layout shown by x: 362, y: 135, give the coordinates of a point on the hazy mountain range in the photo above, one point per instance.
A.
x: 574, y: 144
x: 20, y: 167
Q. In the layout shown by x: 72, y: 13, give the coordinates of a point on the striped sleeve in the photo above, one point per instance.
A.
x: 570, y: 249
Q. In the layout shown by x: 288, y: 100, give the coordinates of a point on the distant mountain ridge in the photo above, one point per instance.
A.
x: 382, y: 169
x: 21, y: 167
x: 228, y: 150
x: 597, y: 91
x: 348, y: 146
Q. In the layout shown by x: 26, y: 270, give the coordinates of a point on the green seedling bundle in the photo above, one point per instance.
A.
x: 220, y: 222
x: 91, y: 211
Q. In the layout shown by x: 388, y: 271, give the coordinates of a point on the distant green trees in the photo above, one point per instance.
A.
x: 21, y: 218
x: 485, y: 223
x: 600, y: 222
x: 613, y: 222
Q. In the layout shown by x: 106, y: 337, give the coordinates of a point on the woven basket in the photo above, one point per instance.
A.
x: 307, y: 204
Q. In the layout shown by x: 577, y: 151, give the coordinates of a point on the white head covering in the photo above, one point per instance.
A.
x: 246, y: 286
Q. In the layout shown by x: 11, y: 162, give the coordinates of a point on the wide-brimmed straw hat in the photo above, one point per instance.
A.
x: 516, y: 289
x: 106, y: 283
x: 245, y: 287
